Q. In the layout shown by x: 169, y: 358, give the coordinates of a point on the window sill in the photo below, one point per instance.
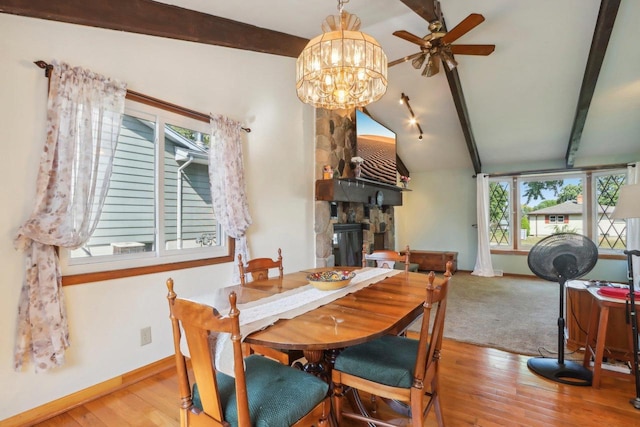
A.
x: 77, y: 279
x: 523, y: 252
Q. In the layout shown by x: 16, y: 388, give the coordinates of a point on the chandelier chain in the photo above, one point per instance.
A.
x: 341, y: 4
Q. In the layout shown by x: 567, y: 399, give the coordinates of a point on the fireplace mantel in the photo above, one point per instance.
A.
x: 358, y: 190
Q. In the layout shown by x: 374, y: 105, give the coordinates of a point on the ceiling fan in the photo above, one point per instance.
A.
x: 436, y: 46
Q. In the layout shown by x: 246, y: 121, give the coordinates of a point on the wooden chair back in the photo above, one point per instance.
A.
x: 258, y: 268
x: 423, y: 394
x: 385, y: 258
x: 199, y: 321
x: 196, y: 321
x: 426, y: 366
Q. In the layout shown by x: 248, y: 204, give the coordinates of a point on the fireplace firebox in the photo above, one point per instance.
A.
x: 347, y: 244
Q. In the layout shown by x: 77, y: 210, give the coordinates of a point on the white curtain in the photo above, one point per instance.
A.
x: 633, y: 226
x: 226, y: 176
x: 483, y: 265
x: 84, y: 114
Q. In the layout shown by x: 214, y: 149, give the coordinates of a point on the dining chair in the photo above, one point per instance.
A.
x: 396, y: 369
x: 385, y: 258
x: 263, y: 392
x: 259, y: 268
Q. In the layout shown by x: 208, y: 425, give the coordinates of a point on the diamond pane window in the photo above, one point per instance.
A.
x: 499, y: 208
x: 610, y: 233
x: 552, y: 203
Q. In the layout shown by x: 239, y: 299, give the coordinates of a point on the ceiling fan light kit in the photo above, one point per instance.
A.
x: 343, y: 67
x: 436, y: 46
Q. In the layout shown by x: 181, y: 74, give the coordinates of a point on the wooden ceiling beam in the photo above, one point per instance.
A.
x: 426, y: 9
x: 463, y: 115
x: 599, y: 43
x: 162, y: 20
x: 430, y: 11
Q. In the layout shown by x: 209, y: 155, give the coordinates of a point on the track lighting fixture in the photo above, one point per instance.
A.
x: 404, y: 99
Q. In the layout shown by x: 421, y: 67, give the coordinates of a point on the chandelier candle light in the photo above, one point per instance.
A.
x: 343, y: 67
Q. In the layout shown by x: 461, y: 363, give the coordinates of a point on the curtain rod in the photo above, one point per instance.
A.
x: 548, y: 171
x: 148, y: 100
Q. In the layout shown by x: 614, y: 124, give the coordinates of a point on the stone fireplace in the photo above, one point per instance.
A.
x: 337, y: 220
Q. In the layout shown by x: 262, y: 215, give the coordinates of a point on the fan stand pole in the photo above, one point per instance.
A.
x: 569, y: 372
x: 634, y: 325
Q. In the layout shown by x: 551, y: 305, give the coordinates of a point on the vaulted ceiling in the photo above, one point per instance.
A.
x: 561, y: 89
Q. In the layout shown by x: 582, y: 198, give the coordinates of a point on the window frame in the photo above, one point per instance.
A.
x: 588, y: 177
x: 81, y: 270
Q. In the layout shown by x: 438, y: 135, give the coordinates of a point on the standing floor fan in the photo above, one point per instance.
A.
x: 558, y: 258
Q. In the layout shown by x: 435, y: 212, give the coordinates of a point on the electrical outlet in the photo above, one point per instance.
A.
x: 145, y: 336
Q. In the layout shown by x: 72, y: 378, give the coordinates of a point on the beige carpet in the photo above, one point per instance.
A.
x: 516, y: 314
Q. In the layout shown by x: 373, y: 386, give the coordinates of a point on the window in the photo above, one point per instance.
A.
x: 610, y: 233
x: 158, y: 209
x: 499, y: 213
x: 534, y: 207
x: 555, y: 219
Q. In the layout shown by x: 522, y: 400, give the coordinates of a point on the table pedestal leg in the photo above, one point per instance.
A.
x: 315, y: 364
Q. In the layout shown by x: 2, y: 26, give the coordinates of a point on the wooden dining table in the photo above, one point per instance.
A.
x: 387, y: 306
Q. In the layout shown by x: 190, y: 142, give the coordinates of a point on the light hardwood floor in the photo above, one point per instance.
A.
x: 479, y: 387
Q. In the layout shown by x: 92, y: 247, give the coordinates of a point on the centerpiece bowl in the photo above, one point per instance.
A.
x: 331, y: 279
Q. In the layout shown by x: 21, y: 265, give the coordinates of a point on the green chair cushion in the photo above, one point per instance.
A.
x: 386, y: 360
x: 400, y: 266
x: 278, y: 395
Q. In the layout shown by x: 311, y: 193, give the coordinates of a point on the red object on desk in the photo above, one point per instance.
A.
x: 622, y: 293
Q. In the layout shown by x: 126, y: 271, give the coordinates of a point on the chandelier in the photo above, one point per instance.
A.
x: 343, y: 67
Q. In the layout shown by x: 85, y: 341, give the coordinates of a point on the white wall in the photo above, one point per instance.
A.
x: 106, y: 317
x: 438, y: 214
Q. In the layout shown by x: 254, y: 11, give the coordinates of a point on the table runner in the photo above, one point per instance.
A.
x: 261, y: 313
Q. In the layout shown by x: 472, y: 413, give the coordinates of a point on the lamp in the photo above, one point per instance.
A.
x: 628, y: 206
x: 404, y: 99
x: 343, y: 67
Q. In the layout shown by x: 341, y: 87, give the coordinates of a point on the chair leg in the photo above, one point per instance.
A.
x: 438, y: 410
x: 323, y: 421
x: 417, y: 407
x: 338, y: 395
x: 435, y: 398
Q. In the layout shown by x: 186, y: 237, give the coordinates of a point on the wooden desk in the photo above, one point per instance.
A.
x: 386, y: 307
x: 601, y: 307
x: 577, y: 315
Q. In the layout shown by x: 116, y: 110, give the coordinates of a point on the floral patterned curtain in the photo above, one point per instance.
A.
x: 84, y: 114
x: 226, y: 176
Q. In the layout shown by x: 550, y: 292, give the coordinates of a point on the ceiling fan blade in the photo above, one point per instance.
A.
x: 412, y: 38
x: 467, y: 24
x: 405, y: 59
x: 473, y: 49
